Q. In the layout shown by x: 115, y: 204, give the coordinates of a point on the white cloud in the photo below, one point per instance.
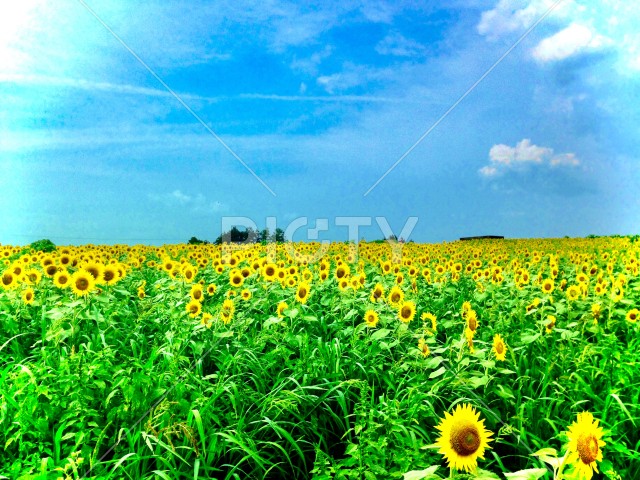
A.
x: 353, y: 76
x: 570, y: 41
x: 196, y: 204
x: 92, y: 86
x: 503, y: 158
x: 510, y: 16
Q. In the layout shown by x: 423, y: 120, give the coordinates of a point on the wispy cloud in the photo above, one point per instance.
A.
x: 194, y: 203
x: 504, y: 158
x: 93, y: 86
x: 400, y: 46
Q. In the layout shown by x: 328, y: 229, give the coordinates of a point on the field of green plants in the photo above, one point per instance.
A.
x: 514, y: 359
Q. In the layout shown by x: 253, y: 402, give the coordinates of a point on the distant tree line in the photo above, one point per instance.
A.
x: 248, y: 235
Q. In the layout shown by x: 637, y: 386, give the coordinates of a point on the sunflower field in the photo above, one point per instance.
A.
x: 516, y: 359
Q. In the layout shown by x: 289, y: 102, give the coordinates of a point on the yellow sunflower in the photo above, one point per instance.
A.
x: 472, y: 320
x: 548, y: 286
x: 407, y: 311
x: 499, y: 347
x: 585, y: 445
x: 194, y: 308
x: 633, y: 315
x: 432, y: 318
x: 371, y: 318
x: 573, y: 292
x: 269, y: 271
x: 110, y: 275
x: 302, y: 294
x: 246, y: 294
x: 211, y: 288
x: 206, y: 320
x: 396, y: 296
x: 62, y: 279
x: 377, y: 293
x: 235, y: 278
x: 8, y: 280
x: 82, y: 282
x: 196, y: 292
x: 463, y: 438
x: 27, y: 296
x: 423, y: 347
x: 551, y: 323
x: 282, y: 306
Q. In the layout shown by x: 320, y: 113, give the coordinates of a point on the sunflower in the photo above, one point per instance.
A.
x: 463, y: 438
x: 269, y: 271
x: 551, y: 323
x: 27, y: 296
x: 194, y: 308
x: 585, y: 445
x: 302, y: 294
x: 95, y: 269
x: 62, y: 279
x: 206, y: 319
x: 196, y: 292
x: 227, y: 311
x: 82, y: 282
x: 573, y: 292
x: 211, y: 288
x: 110, y: 275
x: 396, y: 296
x: 282, y: 306
x: 50, y: 270
x: 236, y: 279
x: 342, y: 271
x: 407, y: 311
x: 32, y: 276
x: 141, y: 293
x: 596, y: 311
x: 423, y: 347
x: 8, y: 280
x: 371, y: 318
x: 548, y: 286
x: 633, y: 315
x: 432, y: 318
x: 617, y: 292
x: 472, y: 320
x: 246, y: 294
x: 499, y: 347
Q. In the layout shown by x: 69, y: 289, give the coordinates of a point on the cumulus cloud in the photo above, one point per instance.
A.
x: 570, y: 41
x: 503, y: 158
x: 510, y: 16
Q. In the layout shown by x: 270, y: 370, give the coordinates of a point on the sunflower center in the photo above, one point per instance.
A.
x: 108, y: 275
x: 406, y: 312
x: 588, y: 448
x: 499, y: 347
x: 465, y: 439
x: 82, y: 284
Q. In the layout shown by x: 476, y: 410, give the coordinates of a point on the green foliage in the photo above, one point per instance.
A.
x: 44, y: 245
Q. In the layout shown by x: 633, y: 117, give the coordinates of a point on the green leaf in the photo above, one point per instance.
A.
x: 529, y: 474
x: 378, y: 334
x: 438, y: 372
x: 427, y: 473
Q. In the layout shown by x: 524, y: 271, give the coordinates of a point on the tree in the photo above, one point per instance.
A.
x: 197, y: 241
x: 278, y: 236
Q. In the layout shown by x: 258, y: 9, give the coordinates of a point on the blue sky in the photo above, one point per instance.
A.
x: 319, y: 100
